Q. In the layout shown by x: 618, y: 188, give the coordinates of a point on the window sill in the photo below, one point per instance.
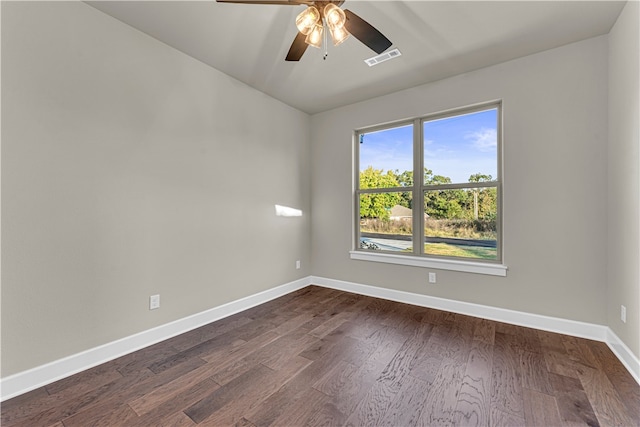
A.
x: 442, y: 264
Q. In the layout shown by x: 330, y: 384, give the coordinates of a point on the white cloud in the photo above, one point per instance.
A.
x: 484, y: 140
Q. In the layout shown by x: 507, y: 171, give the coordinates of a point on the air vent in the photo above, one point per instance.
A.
x: 382, y: 57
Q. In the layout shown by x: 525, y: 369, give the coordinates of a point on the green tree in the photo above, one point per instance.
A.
x: 443, y: 204
x: 479, y: 177
x: 485, y: 200
x: 377, y: 205
x: 405, y: 179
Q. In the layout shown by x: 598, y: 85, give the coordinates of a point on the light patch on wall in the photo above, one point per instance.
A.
x: 287, y: 211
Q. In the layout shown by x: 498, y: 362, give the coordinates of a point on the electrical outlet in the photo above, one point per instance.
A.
x: 623, y: 313
x: 432, y: 277
x: 298, y: 265
x: 154, y: 302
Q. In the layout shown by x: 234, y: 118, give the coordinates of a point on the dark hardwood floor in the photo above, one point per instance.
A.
x: 325, y: 357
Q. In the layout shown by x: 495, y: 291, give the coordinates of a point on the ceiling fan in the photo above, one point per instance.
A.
x: 312, y: 21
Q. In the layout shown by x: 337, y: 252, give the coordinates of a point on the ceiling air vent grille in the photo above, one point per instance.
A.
x: 382, y: 57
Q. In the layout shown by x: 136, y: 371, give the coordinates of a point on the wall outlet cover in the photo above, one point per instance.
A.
x: 154, y: 302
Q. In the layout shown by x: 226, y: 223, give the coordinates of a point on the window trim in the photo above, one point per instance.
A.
x: 417, y: 257
x: 462, y: 265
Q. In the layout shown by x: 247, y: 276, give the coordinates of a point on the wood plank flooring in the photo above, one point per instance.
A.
x: 325, y: 357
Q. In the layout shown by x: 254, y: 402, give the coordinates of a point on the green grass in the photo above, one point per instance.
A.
x: 445, y: 249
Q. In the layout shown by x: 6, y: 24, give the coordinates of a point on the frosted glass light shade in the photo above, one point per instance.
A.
x: 338, y: 34
x: 307, y: 20
x: 334, y: 16
x: 314, y: 38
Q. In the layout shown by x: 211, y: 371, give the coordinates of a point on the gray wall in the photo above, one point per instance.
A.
x: 555, y: 216
x: 623, y: 274
x: 130, y: 169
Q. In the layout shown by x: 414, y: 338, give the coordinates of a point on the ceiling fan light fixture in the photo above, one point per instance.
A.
x: 338, y: 35
x: 334, y: 16
x: 314, y: 38
x: 307, y: 20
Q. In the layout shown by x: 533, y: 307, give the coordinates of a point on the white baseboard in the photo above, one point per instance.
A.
x: 32, y: 379
x: 624, y: 354
x: 552, y: 324
x: 26, y: 381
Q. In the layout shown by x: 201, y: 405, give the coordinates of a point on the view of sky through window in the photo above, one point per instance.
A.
x: 388, y: 149
x: 454, y: 147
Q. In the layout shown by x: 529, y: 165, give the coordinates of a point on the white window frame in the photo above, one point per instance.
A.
x: 418, y: 258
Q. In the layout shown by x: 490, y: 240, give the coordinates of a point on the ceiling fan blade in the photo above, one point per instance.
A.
x: 280, y: 2
x: 366, y: 33
x: 297, y: 48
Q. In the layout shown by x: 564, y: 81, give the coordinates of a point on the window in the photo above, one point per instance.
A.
x: 428, y: 191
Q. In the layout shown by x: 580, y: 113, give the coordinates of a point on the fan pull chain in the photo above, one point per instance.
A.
x: 325, y: 45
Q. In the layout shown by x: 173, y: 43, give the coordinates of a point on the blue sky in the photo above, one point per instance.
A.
x: 456, y: 147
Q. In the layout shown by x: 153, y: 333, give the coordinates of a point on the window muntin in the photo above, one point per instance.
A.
x: 455, y: 208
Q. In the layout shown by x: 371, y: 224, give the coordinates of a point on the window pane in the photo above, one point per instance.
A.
x: 386, y: 222
x: 386, y: 158
x: 461, y: 148
x: 461, y: 223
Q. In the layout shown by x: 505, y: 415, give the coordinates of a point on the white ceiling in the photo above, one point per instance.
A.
x: 437, y: 39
